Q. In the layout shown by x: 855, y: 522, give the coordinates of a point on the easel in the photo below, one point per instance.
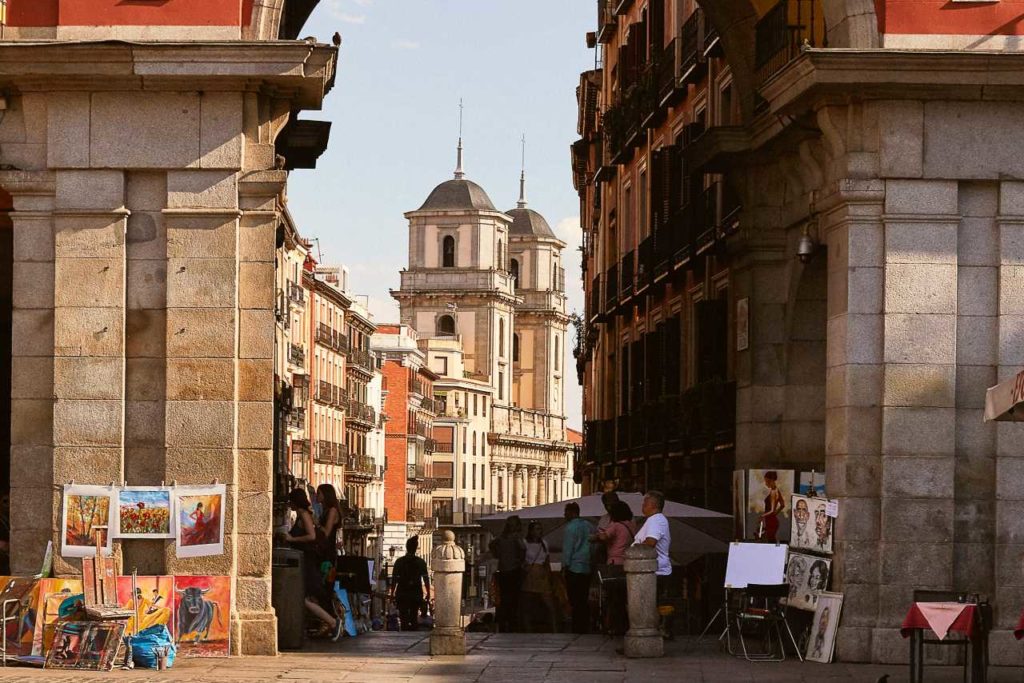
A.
x: 722, y: 611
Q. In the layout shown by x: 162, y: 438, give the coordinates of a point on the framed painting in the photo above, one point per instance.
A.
x: 807, y: 576
x: 87, y: 517
x: 200, y: 520
x: 812, y: 527
x: 202, y: 606
x: 152, y: 601
x: 822, y: 641
x: 145, y: 512
x: 85, y: 645
x: 812, y: 484
x: 768, y: 494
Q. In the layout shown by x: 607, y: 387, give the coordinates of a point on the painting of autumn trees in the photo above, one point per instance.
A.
x: 83, y: 514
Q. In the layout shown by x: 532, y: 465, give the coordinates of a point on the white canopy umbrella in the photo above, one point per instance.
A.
x: 695, y: 531
x: 1005, y: 401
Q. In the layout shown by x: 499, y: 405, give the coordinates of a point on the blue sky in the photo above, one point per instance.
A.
x: 403, y: 66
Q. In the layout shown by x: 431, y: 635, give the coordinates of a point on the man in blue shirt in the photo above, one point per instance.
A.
x: 576, y: 566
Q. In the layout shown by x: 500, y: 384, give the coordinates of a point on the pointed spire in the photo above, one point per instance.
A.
x: 522, y: 179
x: 459, y: 173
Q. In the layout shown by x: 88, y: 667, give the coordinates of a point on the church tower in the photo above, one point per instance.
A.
x: 538, y: 347
x: 457, y: 283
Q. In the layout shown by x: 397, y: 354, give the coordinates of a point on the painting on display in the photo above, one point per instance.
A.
x: 202, y: 609
x: 807, y: 576
x: 145, y: 512
x: 812, y: 527
x: 822, y: 641
x: 200, y: 520
x: 88, y: 515
x: 152, y: 601
x: 768, y: 493
x: 812, y: 484
x: 14, y: 594
x: 85, y: 645
x: 54, y: 599
x: 739, y: 498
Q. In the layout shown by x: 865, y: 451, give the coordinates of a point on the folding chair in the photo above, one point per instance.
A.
x: 761, y: 606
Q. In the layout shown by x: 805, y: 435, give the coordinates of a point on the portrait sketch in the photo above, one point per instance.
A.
x: 822, y: 640
x: 807, y: 577
x: 812, y: 527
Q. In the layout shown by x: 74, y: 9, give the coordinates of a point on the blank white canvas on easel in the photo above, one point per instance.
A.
x: 758, y: 563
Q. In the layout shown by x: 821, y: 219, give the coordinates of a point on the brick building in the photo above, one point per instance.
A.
x: 816, y: 202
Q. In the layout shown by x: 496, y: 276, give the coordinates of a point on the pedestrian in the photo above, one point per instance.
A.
x: 305, y: 536
x: 608, y: 499
x: 598, y: 551
x: 576, y: 566
x: 329, y: 520
x: 510, y: 550
x: 536, y: 591
x: 409, y: 578
x: 617, y: 537
x: 655, y: 533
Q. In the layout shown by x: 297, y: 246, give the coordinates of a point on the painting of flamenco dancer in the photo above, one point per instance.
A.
x: 200, y: 528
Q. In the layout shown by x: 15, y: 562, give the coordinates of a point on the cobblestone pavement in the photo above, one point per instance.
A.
x: 554, y: 658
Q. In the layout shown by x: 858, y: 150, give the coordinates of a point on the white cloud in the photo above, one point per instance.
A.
x: 350, y: 18
x: 363, y: 3
x: 405, y: 45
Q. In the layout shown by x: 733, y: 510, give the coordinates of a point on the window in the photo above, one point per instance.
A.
x: 484, y: 401
x: 515, y: 273
x: 475, y: 411
x: 442, y: 364
x: 501, y: 255
x: 446, y: 325
x: 501, y: 386
x: 463, y: 474
x: 501, y: 337
x: 558, y: 353
x: 515, y: 348
x: 448, y: 252
x: 474, y: 476
x: 474, y: 443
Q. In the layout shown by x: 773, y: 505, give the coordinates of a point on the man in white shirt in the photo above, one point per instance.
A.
x: 655, y: 533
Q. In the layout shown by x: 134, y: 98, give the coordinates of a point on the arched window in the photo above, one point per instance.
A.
x: 558, y: 353
x: 446, y: 325
x: 501, y: 337
x: 515, y: 346
x: 501, y: 255
x: 515, y: 273
x: 448, y: 252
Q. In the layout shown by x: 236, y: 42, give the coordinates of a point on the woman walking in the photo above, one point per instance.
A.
x: 617, y: 537
x: 537, y: 595
x: 510, y: 551
x: 304, y: 536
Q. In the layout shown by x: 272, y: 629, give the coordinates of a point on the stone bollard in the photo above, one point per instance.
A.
x: 448, y: 563
x: 644, y: 636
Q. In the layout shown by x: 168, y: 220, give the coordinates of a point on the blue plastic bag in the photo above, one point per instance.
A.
x: 145, y: 643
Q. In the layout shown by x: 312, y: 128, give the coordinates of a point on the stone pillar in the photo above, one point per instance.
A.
x: 493, y: 500
x: 516, y: 486
x: 531, y: 484
x: 448, y: 562
x: 644, y: 636
x: 543, y: 487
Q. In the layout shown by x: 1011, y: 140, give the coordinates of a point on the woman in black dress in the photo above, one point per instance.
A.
x: 303, y: 536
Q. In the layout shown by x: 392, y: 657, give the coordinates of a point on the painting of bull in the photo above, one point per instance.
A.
x: 202, y: 606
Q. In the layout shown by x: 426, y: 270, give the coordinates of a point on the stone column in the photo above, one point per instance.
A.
x: 448, y: 562
x: 543, y: 487
x: 531, y: 487
x: 644, y: 636
x: 516, y: 486
x: 494, y: 485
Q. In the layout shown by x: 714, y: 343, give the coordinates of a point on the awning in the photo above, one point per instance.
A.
x: 1004, y: 401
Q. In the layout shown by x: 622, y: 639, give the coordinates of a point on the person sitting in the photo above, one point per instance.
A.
x: 655, y: 533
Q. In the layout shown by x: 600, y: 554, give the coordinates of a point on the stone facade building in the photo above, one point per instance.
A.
x: 870, y: 275
x: 491, y: 282
x: 145, y: 186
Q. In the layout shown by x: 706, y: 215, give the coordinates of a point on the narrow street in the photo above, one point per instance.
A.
x: 555, y: 658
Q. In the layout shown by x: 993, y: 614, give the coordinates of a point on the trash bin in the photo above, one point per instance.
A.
x: 287, y: 597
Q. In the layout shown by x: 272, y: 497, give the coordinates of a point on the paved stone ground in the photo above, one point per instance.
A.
x: 550, y: 658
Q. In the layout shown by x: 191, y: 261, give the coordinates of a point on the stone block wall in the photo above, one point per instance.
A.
x: 143, y: 332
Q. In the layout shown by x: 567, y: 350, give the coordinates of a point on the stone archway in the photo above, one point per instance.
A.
x: 849, y: 24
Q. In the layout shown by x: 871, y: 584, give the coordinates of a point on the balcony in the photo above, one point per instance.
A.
x: 430, y: 445
x: 611, y: 288
x: 606, y: 21
x: 324, y: 393
x: 416, y: 472
x: 296, y: 419
x: 622, y: 7
x: 324, y: 335
x: 627, y: 277
x: 296, y: 294
x: 645, y: 263
x: 692, y: 65
x: 444, y: 447
x: 782, y: 32
x: 417, y: 386
x: 717, y: 216
x: 417, y: 429
x: 360, y: 467
x: 339, y: 343
x: 296, y: 355
x: 361, y: 359
x: 328, y: 452
x: 362, y: 413
x: 717, y: 149
x: 429, y: 405
x: 712, y: 45
x: 594, y: 309
x: 300, y: 447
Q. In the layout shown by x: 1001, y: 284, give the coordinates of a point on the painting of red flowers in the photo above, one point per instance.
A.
x: 144, y: 512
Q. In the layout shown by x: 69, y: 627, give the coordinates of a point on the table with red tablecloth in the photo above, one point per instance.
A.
x: 1018, y: 632
x: 943, y: 618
